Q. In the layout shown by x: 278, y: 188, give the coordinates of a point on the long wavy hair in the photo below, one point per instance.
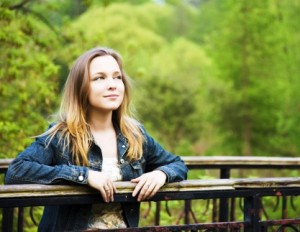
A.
x: 72, y: 126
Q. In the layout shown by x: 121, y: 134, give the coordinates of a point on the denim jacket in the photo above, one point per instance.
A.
x: 42, y: 164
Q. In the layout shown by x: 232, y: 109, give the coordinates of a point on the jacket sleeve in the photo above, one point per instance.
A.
x: 38, y: 164
x: 157, y: 158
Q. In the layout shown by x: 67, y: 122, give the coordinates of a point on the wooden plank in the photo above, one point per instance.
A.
x: 31, y: 190
x: 218, y: 161
x: 4, y: 163
x: 281, y: 182
x: 241, y: 160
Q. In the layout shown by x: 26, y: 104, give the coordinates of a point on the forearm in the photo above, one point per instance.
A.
x: 22, y: 171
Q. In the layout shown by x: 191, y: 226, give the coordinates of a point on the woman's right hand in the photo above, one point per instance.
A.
x: 102, y: 182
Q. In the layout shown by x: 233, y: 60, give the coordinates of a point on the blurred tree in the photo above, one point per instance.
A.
x: 287, y: 139
x: 236, y: 51
x: 247, y: 48
x: 176, y: 91
x: 28, y: 78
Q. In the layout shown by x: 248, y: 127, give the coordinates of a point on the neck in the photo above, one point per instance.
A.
x: 100, y: 121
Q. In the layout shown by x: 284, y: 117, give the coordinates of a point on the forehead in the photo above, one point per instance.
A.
x: 104, y: 64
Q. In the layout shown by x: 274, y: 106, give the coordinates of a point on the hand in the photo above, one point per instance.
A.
x: 148, y: 184
x: 101, y: 182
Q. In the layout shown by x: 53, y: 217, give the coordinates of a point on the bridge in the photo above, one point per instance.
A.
x: 223, y: 193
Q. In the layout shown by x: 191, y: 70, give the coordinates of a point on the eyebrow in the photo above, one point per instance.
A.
x: 104, y: 73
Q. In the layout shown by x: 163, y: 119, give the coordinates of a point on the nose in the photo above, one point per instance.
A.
x: 111, y: 83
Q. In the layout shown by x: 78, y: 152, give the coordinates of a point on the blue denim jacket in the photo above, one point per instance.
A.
x: 42, y: 164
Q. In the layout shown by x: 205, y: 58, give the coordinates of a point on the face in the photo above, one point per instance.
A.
x: 106, y: 90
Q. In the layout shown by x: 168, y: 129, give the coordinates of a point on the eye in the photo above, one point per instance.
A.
x: 98, y: 78
x: 118, y: 77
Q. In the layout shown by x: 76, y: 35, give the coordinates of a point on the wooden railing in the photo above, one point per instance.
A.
x: 250, y: 190
x: 223, y: 191
x: 226, y: 163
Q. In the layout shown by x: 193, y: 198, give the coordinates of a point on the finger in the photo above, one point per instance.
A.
x: 103, y: 194
x: 154, y: 191
x: 108, y: 191
x: 145, y: 191
x: 112, y: 190
x: 136, y: 180
x: 108, y: 194
x: 138, y: 188
x: 149, y: 193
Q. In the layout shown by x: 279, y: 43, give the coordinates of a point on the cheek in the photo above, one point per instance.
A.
x: 122, y: 89
x: 93, y: 93
x: 96, y: 89
x: 123, y: 95
x: 90, y: 93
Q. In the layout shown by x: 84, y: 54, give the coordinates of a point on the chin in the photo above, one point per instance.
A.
x: 113, y: 108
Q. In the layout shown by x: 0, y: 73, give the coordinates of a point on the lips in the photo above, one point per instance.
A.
x: 111, y: 96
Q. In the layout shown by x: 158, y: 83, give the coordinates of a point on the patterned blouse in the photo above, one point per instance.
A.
x: 108, y: 216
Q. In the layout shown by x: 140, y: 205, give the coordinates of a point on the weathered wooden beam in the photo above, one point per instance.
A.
x: 281, y: 182
x: 241, y: 160
x: 4, y: 163
x: 32, y: 190
x: 9, y: 191
x: 220, y: 161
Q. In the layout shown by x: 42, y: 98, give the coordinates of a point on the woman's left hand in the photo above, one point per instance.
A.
x: 148, y: 184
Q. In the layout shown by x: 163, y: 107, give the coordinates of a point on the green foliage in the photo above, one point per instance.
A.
x: 28, y: 80
x: 218, y: 77
x: 166, y: 95
x: 248, y: 50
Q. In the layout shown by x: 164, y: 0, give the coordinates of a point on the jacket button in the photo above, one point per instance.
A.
x: 80, y: 178
x: 123, y: 146
x: 122, y: 161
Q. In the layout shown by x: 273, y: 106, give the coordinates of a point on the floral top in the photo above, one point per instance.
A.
x: 108, y: 216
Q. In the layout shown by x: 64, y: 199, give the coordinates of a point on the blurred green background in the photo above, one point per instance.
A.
x: 211, y: 77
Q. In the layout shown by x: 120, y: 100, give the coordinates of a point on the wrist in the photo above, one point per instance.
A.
x: 164, y: 175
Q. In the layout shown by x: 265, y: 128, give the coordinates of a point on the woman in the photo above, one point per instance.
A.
x: 95, y: 142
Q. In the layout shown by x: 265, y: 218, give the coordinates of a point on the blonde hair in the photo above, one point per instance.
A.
x: 72, y: 126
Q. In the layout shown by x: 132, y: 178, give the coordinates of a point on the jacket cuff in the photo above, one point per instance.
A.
x: 80, y: 175
x: 171, y: 175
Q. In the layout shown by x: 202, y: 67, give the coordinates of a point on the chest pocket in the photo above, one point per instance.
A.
x: 138, y: 167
